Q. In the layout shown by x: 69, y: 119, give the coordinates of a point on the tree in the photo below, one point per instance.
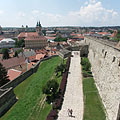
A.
x: 60, y: 39
x: 5, y: 53
x: 16, y: 54
x: 3, y: 75
x: 86, y: 64
x: 50, y: 87
x: 60, y: 68
x: 19, y: 43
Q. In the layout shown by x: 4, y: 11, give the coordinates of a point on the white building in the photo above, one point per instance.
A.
x: 7, y: 43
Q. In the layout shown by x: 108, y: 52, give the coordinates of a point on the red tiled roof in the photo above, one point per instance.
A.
x: 39, y: 56
x: 73, y: 34
x: 53, y: 50
x: 41, y: 51
x: 12, y: 62
x: 32, y: 57
x: 50, y: 37
x: 1, y: 37
x: 12, y: 73
x: 78, y: 37
x: 30, y: 65
x: 114, y: 34
x: 36, y: 38
x: 103, y: 33
x: 28, y: 34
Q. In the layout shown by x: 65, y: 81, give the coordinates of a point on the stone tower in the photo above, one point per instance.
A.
x: 39, y: 28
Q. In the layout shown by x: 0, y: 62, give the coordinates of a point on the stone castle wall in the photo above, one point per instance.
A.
x: 105, y: 60
x: 7, y: 96
x: 7, y: 99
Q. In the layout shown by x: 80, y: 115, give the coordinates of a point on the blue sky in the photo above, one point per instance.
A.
x: 59, y: 12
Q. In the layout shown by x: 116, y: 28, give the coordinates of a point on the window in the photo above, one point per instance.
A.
x: 102, y: 50
x: 113, y: 59
x: 105, y: 54
x: 94, y: 55
x: 119, y: 64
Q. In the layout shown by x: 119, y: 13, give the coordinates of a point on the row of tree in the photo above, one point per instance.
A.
x: 5, y: 52
x: 51, y: 87
x: 19, y: 43
x: 60, y: 39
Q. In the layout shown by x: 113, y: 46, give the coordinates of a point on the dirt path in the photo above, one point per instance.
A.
x: 73, y: 98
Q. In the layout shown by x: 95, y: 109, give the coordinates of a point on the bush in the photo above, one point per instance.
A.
x: 52, y: 115
x: 50, y: 87
x: 58, y: 102
x: 60, y: 68
x: 87, y: 74
x: 85, y: 64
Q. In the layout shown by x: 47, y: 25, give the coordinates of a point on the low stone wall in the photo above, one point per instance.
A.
x: 7, y: 96
x: 7, y: 99
x: 25, y: 75
x: 18, y: 80
x: 105, y: 61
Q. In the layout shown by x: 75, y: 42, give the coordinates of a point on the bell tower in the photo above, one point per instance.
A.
x: 39, y: 28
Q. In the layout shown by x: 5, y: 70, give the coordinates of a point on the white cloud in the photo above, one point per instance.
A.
x: 92, y: 1
x: 91, y: 13
x: 86, y: 3
x: 95, y: 14
x: 35, y: 12
x: 1, y: 12
x: 21, y: 14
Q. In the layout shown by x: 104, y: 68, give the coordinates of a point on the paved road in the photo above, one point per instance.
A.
x: 73, y: 98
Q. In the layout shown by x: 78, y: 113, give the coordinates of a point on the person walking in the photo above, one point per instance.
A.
x: 71, y: 111
x: 68, y: 112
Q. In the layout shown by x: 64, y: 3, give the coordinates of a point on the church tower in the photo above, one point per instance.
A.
x: 39, y: 28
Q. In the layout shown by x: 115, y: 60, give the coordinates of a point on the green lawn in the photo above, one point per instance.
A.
x: 93, y: 108
x: 31, y: 103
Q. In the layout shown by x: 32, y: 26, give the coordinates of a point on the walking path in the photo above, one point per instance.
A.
x: 73, y: 98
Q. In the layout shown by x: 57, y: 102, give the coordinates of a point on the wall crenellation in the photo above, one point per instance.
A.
x: 105, y: 60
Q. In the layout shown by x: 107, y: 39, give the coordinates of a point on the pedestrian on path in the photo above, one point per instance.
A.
x: 68, y: 112
x: 71, y: 111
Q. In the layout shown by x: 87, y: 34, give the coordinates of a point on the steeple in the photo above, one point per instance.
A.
x: 39, y: 28
x: 39, y: 24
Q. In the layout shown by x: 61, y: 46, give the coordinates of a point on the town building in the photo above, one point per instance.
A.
x: 34, y: 40
x: 7, y: 43
x: 64, y: 53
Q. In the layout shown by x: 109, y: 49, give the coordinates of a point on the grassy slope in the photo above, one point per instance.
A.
x: 30, y: 94
x: 93, y: 108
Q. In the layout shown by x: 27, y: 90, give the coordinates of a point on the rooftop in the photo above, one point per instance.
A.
x: 12, y: 73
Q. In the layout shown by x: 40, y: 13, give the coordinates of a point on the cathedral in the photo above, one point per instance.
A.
x: 34, y: 40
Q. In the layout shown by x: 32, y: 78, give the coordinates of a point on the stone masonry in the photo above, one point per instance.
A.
x: 105, y: 60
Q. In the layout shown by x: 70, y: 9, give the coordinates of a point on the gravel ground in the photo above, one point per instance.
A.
x: 73, y: 98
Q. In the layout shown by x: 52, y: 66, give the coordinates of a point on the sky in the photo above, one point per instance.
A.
x: 15, y: 13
